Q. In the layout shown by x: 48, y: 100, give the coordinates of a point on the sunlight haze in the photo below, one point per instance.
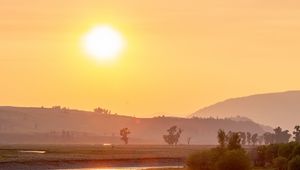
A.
x: 177, y: 56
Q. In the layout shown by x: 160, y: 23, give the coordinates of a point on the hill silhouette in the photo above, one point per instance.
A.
x: 56, y: 125
x: 274, y: 109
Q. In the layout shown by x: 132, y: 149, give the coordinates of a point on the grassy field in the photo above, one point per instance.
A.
x: 96, y: 155
x: 13, y: 153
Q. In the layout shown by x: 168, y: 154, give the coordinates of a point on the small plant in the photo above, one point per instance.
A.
x: 294, y: 164
x: 204, y: 160
x: 280, y: 163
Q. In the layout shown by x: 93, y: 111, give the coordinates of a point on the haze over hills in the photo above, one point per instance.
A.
x: 274, y: 109
x: 57, y: 125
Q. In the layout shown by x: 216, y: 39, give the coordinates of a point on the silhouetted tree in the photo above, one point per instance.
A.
x: 102, y: 110
x: 254, y: 138
x: 243, y: 137
x: 228, y: 135
x: 124, y: 135
x: 281, y: 136
x: 173, y: 137
x: 297, y: 133
x: 56, y: 107
x: 268, y: 138
x: 234, y: 141
x: 248, y: 138
x: 222, y: 138
x: 260, y: 139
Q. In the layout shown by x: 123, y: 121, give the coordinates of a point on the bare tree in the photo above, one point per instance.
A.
x: 189, y: 140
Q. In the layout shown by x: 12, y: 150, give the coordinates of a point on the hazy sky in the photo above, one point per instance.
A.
x: 180, y: 55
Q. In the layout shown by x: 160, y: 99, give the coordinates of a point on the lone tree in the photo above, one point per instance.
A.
x: 173, y: 137
x: 124, y: 135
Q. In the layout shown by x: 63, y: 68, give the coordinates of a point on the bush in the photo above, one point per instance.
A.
x: 202, y: 160
x: 271, y: 152
x: 280, y: 163
x: 294, y: 164
x: 234, y: 160
x: 286, y: 149
x: 259, y: 156
x: 296, y: 151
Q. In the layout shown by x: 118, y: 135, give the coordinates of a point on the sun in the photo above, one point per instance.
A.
x: 103, y: 42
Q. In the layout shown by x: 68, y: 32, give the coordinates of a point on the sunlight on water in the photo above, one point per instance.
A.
x: 39, y: 152
x: 127, y: 168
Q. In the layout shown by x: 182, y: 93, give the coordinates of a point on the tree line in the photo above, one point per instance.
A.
x: 246, y: 138
x: 229, y: 154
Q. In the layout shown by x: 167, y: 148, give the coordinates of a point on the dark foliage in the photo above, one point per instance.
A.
x: 294, y: 164
x: 234, y: 160
x: 124, y: 134
x: 173, y: 137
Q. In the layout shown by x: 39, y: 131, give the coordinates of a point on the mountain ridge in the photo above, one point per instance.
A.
x: 274, y: 109
x: 70, y: 125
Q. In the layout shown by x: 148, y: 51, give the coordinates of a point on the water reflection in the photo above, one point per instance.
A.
x: 127, y: 168
x: 39, y: 152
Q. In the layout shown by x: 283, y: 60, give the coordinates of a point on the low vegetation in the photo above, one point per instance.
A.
x: 279, y: 154
x: 228, y: 155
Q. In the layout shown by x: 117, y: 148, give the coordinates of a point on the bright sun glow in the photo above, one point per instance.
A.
x: 103, y: 42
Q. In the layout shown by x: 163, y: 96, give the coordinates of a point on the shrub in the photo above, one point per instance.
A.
x: 259, y: 156
x: 203, y: 160
x: 271, y: 152
x: 286, y: 149
x: 296, y: 151
x: 234, y: 160
x: 280, y: 163
x: 294, y: 164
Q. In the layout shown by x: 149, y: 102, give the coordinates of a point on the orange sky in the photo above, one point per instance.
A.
x: 180, y: 55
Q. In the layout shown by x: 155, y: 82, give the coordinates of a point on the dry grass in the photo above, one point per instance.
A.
x: 10, y: 153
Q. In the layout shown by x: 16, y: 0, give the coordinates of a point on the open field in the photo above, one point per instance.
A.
x: 15, y: 153
x: 90, y: 156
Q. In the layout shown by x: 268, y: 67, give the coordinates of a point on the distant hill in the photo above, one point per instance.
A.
x: 54, y: 125
x: 275, y: 109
